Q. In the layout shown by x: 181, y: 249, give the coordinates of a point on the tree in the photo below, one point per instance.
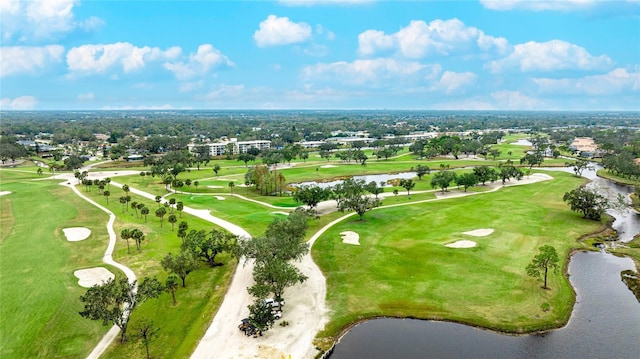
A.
x: 579, y: 166
x: 422, y: 170
x: 351, y: 195
x: 180, y: 265
x: 196, y: 184
x: 146, y: 332
x: 442, y: 180
x: 216, y: 169
x: 138, y: 236
x: 182, y: 229
x: 106, y: 194
x: 588, y: 201
x: 126, y: 235
x: 273, y: 277
x: 160, y: 213
x: 123, y: 202
x: 541, y: 263
x: 114, y: 301
x: 134, y: 205
x: 158, y: 199
x: 173, y: 219
x: 231, y: 185
x: 311, y: 195
x: 467, y: 180
x: 484, y: 174
x: 208, y: 245
x: 261, y: 316
x: 171, y: 285
x: 180, y: 208
x: 532, y: 159
x: 144, y: 211
x: 373, y: 188
x: 407, y: 184
x: 172, y: 202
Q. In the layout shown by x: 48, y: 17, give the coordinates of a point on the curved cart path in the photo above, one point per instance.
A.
x: 112, y: 334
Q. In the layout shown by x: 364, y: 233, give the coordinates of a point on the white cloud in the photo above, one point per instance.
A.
x: 92, y: 59
x: 41, y: 19
x: 225, y: 92
x: 276, y: 31
x: 206, y: 58
x: 18, y: 103
x: 439, y: 37
x: 316, y: 50
x: 365, y: 71
x: 538, y: 5
x: 549, y: 56
x: 515, y: 100
x: 618, y: 81
x: 86, y: 96
x: 454, y: 82
x: 28, y: 59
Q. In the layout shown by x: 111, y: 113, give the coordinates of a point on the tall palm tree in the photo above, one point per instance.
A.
x: 144, y: 211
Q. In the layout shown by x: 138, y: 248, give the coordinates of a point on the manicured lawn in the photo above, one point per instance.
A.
x: 39, y: 293
x: 181, y: 326
x: 403, y: 269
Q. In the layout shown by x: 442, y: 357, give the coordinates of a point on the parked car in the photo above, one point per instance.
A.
x: 274, y: 303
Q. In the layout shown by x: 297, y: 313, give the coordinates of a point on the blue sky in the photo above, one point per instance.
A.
x: 320, y: 54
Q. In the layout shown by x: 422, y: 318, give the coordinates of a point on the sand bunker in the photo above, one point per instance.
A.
x: 89, y: 277
x: 479, y: 232
x: 461, y: 244
x: 350, y: 237
x: 220, y: 198
x: 75, y: 234
x: 4, y: 193
x: 214, y: 186
x: 328, y: 166
x: 284, y: 213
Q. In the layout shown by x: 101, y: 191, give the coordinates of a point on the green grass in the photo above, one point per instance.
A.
x: 618, y: 179
x: 39, y: 293
x: 403, y: 269
x: 181, y: 326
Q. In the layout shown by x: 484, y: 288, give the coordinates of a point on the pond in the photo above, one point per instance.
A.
x: 605, y: 322
x: 367, y: 179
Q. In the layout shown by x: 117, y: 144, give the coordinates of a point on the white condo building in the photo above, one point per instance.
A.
x: 220, y: 148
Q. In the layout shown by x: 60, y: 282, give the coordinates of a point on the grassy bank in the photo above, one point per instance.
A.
x: 403, y: 269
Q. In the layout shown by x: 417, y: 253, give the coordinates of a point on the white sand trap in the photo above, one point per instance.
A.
x: 89, y: 277
x: 328, y: 166
x: 284, y: 213
x: 4, y: 193
x: 214, y: 186
x: 350, y: 237
x: 220, y: 198
x: 75, y: 234
x: 461, y: 244
x: 482, y: 232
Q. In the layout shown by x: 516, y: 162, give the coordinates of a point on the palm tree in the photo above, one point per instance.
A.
x: 158, y: 199
x: 138, y: 236
x: 125, y: 188
x: 172, y: 202
x: 106, y: 194
x: 231, y: 185
x: 188, y: 183
x: 216, y: 168
x: 144, y: 211
x: 172, y: 219
x: 126, y: 235
x: 160, y: 213
x: 196, y: 184
x: 134, y: 205
x: 171, y: 285
x: 179, y: 208
x: 123, y: 202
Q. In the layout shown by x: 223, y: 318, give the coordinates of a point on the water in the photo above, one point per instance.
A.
x: 367, y: 179
x: 605, y: 322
